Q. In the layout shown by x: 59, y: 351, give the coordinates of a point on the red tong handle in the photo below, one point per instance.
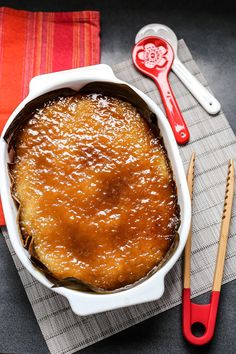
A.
x: 173, y: 112
x: 203, y: 314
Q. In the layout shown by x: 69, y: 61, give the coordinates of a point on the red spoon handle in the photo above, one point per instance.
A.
x: 173, y: 112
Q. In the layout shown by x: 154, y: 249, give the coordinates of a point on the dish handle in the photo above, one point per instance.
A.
x: 46, y: 82
x: 89, y: 304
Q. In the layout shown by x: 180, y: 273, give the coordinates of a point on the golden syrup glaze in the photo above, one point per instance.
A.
x: 96, y: 190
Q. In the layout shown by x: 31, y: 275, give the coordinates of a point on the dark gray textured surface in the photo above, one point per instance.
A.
x: 210, y: 32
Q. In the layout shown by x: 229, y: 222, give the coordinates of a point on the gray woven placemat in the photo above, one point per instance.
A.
x: 214, y: 143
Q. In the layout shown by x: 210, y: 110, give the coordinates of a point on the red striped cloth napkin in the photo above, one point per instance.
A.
x: 33, y: 43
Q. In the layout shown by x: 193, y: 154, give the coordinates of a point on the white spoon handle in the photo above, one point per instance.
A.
x: 202, y: 95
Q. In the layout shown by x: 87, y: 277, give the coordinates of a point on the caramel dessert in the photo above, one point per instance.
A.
x: 97, y: 200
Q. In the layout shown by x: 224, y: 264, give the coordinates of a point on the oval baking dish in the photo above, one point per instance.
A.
x: 152, y: 287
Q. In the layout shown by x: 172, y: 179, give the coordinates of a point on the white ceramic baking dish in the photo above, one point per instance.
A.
x: 152, y: 288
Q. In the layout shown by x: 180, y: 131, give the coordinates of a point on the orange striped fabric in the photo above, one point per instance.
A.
x: 33, y: 43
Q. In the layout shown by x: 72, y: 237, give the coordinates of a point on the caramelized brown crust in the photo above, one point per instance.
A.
x: 96, y: 191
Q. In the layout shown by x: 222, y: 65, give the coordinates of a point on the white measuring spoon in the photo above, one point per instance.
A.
x: 202, y: 95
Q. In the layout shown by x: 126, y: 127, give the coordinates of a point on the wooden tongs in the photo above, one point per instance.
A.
x: 205, y: 314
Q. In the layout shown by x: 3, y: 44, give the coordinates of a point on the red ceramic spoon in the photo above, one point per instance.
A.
x: 153, y: 56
